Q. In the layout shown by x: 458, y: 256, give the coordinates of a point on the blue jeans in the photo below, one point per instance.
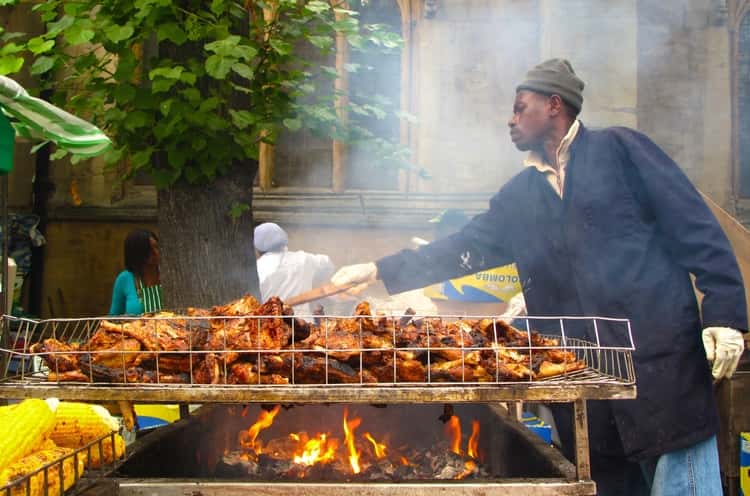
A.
x: 693, y: 471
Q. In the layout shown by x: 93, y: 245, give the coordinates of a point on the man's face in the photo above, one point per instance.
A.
x: 531, y: 120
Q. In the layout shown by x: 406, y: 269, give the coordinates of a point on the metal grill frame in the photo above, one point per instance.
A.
x: 106, y: 468
x: 609, y: 373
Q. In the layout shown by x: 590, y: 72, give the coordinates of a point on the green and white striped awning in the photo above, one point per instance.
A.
x: 37, y: 119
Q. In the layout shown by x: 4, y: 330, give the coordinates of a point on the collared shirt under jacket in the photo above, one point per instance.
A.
x: 621, y: 241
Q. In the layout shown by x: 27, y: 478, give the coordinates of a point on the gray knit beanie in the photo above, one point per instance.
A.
x: 555, y: 77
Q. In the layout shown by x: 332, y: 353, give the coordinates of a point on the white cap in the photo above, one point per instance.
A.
x: 269, y: 237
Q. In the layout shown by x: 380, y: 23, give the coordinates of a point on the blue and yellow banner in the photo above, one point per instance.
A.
x: 488, y: 286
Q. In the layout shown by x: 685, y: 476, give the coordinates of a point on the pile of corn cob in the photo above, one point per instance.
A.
x: 35, y: 433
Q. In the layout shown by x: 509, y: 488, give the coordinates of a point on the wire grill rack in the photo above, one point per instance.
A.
x: 40, y: 481
x: 605, y: 346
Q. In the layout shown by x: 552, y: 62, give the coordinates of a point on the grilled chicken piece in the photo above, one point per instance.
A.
x: 130, y: 374
x: 126, y: 351
x: 271, y: 332
x: 57, y: 355
x: 246, y: 373
x: 406, y: 370
x: 70, y: 376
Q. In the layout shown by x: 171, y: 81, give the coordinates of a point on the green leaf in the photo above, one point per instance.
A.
x: 7, y: 2
x: 218, y: 67
x: 329, y: 71
x: 172, y: 32
x: 42, y: 65
x: 218, y: 7
x: 135, y: 120
x: 166, y: 72
x: 224, y: 46
x: 282, y: 47
x: 191, y: 94
x: 10, y: 64
x: 243, y: 70
x: 117, y: 33
x: 166, y: 106
x: 141, y: 159
x: 39, y: 45
x: 245, y: 52
x: 322, y: 42
x: 162, y: 85
x: 192, y: 174
x: 317, y: 6
x: 209, y: 104
x: 293, y: 124
x: 76, y: 34
x: 163, y: 178
x: 124, y: 93
x: 10, y: 48
x: 243, y: 118
x: 178, y: 155
x: 188, y: 78
x: 57, y: 27
x: 237, y: 209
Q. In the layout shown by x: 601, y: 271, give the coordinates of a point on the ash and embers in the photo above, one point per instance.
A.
x: 348, y: 452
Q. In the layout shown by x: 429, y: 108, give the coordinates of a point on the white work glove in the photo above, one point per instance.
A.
x: 724, y: 346
x: 516, y: 308
x: 359, y: 275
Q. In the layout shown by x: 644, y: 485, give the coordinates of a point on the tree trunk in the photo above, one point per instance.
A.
x: 207, y: 257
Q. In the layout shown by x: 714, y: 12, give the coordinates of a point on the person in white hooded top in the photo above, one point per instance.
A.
x: 285, y: 273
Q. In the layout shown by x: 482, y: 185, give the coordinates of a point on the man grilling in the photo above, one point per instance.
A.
x: 604, y: 223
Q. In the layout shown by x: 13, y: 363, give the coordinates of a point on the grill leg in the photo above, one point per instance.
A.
x: 581, y: 428
x: 184, y: 410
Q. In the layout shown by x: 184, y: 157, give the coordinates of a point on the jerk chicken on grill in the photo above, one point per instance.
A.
x: 245, y: 342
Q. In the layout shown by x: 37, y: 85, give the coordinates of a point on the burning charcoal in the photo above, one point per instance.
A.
x: 448, y: 466
x: 238, y: 465
x: 270, y: 467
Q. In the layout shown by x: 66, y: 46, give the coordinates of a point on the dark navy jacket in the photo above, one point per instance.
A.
x: 622, y: 242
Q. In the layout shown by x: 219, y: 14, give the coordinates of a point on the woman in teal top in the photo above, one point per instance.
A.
x: 137, y: 290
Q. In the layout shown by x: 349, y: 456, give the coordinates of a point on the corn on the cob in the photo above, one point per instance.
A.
x: 106, y: 452
x: 23, y: 429
x: 7, y: 410
x: 77, y: 424
x: 47, y: 454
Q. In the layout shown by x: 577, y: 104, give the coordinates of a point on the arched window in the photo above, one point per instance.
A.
x: 743, y: 107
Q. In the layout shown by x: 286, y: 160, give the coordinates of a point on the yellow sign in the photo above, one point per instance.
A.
x: 488, y: 286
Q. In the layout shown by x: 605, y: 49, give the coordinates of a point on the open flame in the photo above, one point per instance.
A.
x: 469, y: 468
x: 377, y: 447
x: 319, y: 449
x: 265, y: 420
x: 453, y: 429
x: 349, y: 427
x: 344, y: 453
x: 472, y: 448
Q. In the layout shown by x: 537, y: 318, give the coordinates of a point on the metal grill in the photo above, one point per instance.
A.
x: 605, y: 344
x: 38, y: 481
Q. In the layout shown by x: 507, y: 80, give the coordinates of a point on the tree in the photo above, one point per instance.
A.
x: 188, y: 90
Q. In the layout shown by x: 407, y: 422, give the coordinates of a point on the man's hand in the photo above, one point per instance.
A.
x: 724, y: 346
x: 360, y: 274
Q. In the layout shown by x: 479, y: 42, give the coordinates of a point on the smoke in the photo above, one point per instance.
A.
x: 660, y: 67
